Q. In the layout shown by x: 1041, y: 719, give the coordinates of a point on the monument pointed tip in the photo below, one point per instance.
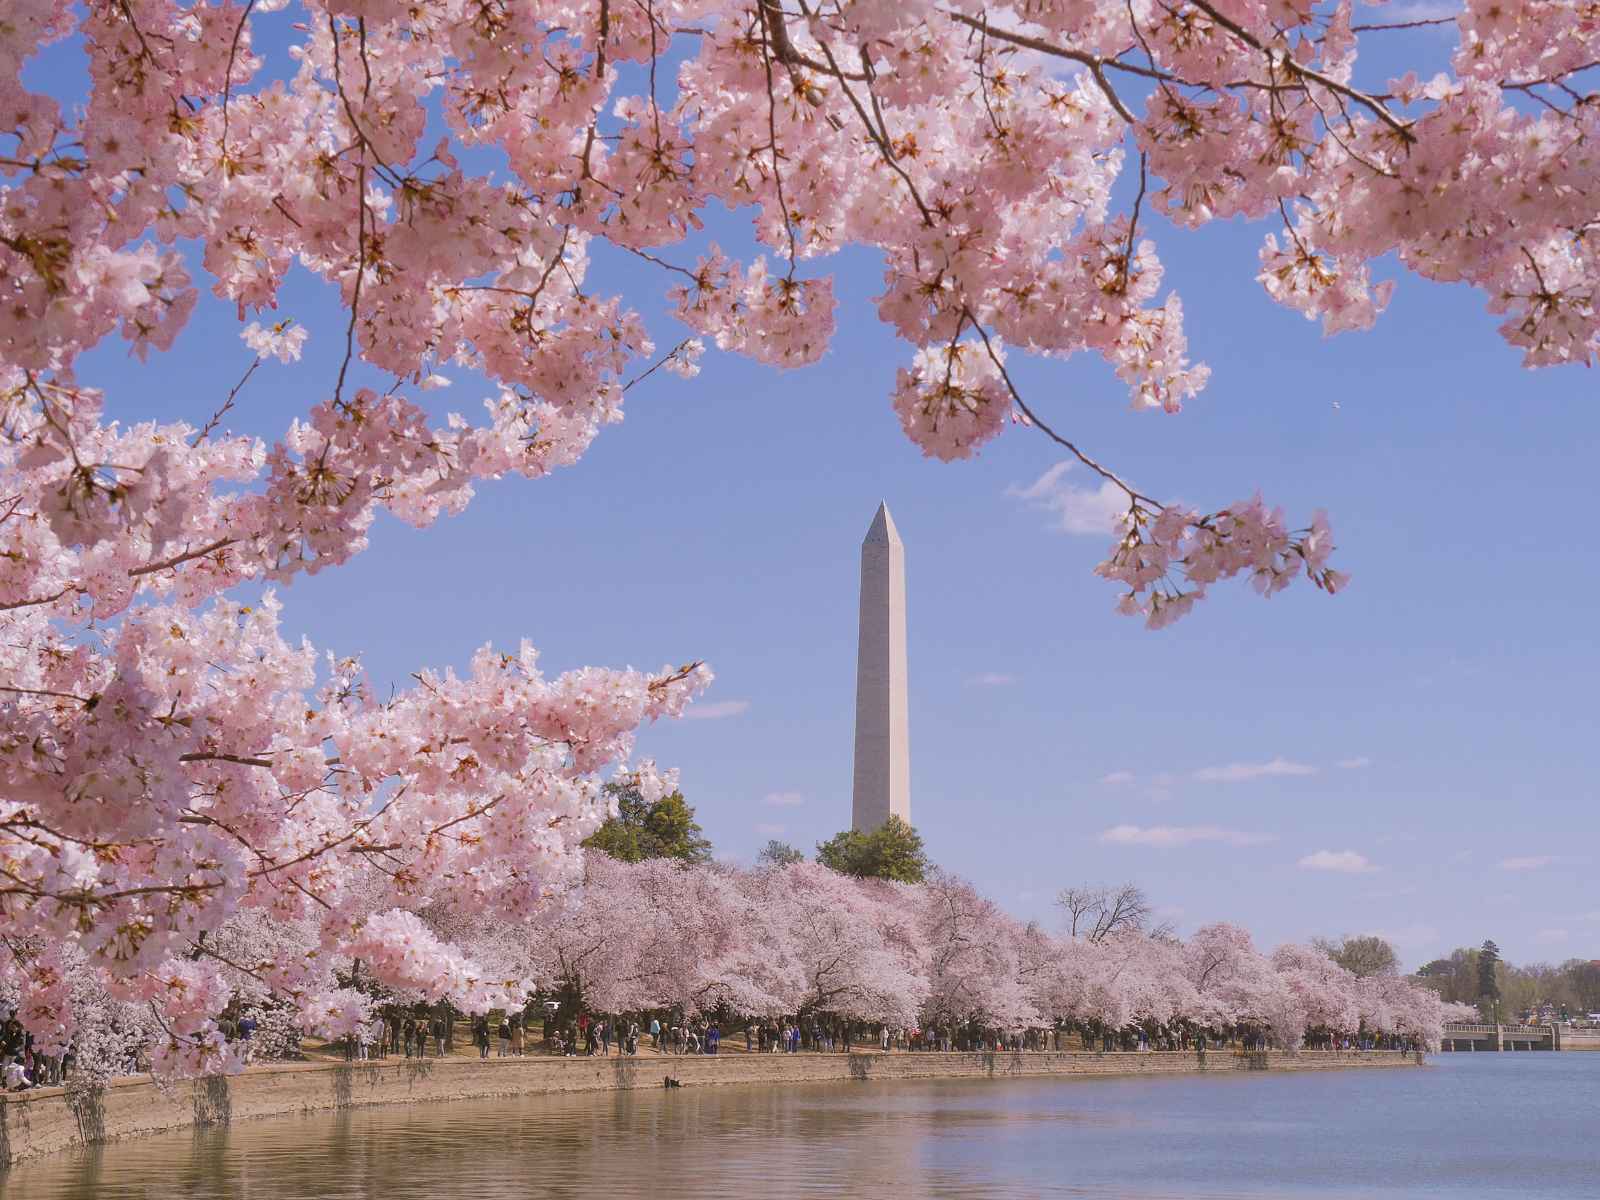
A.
x: 882, y: 528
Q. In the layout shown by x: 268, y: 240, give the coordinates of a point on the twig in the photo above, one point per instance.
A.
x: 658, y: 364
x: 1022, y: 404
x: 177, y: 559
x: 227, y: 82
x: 217, y: 416
x: 1371, y: 103
x: 1094, y: 62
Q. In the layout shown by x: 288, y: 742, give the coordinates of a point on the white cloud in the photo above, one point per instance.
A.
x: 1526, y: 862
x: 1550, y: 937
x: 991, y: 679
x: 716, y: 711
x: 1353, y: 764
x: 1117, y: 777
x: 1347, y: 861
x: 1244, y: 772
x: 1087, y: 510
x: 766, y: 830
x: 1166, y: 837
x: 783, y: 799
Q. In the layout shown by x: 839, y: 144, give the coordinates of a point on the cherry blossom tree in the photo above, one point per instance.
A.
x: 1152, y: 977
x: 974, y: 966
x: 688, y: 928
x: 854, y: 942
x: 581, y: 943
x: 1325, y: 995
x: 1234, y: 983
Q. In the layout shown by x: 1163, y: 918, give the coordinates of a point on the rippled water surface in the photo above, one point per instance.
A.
x: 1473, y: 1125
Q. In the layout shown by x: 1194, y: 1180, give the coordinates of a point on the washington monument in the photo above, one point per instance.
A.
x: 883, y: 743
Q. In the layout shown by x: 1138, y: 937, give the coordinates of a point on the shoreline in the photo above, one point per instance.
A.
x: 38, y: 1123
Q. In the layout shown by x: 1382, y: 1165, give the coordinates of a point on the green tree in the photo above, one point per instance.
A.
x: 891, y: 851
x: 1488, y: 982
x: 1364, y: 956
x: 778, y: 854
x: 641, y: 830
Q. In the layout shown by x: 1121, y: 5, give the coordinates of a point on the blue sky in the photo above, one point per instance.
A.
x: 1435, y: 719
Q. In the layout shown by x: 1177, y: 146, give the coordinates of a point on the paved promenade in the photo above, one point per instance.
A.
x: 45, y: 1121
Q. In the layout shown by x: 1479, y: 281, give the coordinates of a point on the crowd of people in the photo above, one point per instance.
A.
x: 22, y: 1066
x: 428, y: 1034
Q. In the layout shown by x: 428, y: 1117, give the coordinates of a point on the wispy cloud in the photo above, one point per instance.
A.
x: 783, y: 799
x: 991, y: 679
x: 1347, y: 861
x: 716, y: 710
x: 1087, y: 510
x: 1116, y: 777
x: 767, y: 830
x: 1526, y: 862
x: 1353, y: 764
x: 1166, y: 837
x: 1244, y: 772
x: 1551, y: 937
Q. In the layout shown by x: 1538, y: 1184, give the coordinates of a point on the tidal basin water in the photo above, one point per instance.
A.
x: 1469, y: 1126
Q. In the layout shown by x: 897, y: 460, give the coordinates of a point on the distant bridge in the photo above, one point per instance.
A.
x: 1460, y: 1036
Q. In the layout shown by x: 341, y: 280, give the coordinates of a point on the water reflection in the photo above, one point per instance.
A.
x: 1463, y: 1129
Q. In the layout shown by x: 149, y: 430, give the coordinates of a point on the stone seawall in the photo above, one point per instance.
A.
x: 46, y: 1120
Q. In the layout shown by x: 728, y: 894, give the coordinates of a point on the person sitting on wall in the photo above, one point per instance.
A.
x: 15, y: 1075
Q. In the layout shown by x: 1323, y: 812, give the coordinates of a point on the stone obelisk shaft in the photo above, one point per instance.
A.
x: 883, y: 743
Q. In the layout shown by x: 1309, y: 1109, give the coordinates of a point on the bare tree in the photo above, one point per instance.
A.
x: 1095, y: 913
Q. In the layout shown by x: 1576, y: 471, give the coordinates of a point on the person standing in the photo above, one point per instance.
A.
x: 480, y: 1034
x: 655, y: 1034
x: 247, y: 1027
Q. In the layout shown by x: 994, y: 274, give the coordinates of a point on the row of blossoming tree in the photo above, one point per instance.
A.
x: 802, y: 939
x: 796, y: 941
x: 169, y: 760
